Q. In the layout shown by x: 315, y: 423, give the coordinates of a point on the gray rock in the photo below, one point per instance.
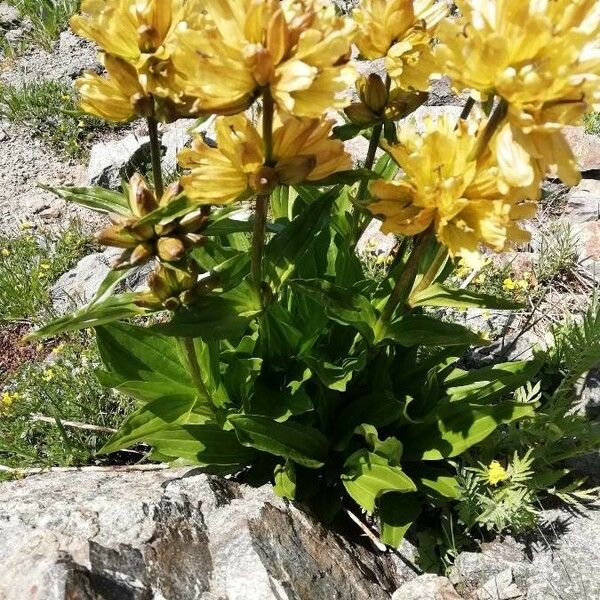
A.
x: 584, y: 202
x: 562, y: 560
x: 427, y: 587
x: 374, y: 241
x: 442, y: 94
x: 9, y: 16
x: 172, y: 535
x: 75, y: 55
x: 500, y: 587
x: 111, y: 162
x: 585, y: 146
x: 79, y: 285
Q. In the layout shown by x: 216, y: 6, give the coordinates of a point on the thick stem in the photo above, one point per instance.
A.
x: 466, y: 111
x: 155, y: 152
x: 405, y: 282
x: 369, y: 161
x: 189, y: 349
x: 495, y: 120
x: 267, y: 126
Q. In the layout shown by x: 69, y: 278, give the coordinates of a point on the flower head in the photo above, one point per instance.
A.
x: 137, y: 38
x: 299, y: 49
x: 496, y: 473
x: 302, y: 151
x: 542, y: 58
x: 464, y: 201
x: 401, y: 31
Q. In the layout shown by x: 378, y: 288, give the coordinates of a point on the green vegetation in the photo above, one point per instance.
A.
x: 29, y: 263
x: 49, y: 17
x: 49, y: 109
x: 592, y: 123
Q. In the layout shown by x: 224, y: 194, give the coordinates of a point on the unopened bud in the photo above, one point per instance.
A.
x: 170, y: 249
x: 141, y: 198
x: 117, y: 236
x: 174, y: 190
x: 141, y: 253
x: 375, y: 93
x: 193, y: 221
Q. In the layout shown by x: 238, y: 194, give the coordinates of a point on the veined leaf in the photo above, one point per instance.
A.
x: 304, y: 445
x: 397, y: 512
x: 165, y: 214
x: 420, y: 330
x: 96, y: 198
x: 345, y: 178
x: 113, y: 308
x: 439, y: 482
x: 204, y: 445
x: 285, y: 480
x: 342, y: 305
x: 150, y: 419
x: 440, y: 295
x: 457, y: 427
x: 367, y: 475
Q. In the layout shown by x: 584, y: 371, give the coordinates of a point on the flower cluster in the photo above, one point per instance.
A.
x: 464, y: 200
x: 542, y: 59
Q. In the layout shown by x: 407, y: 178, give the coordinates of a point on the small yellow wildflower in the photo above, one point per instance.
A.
x: 509, y: 284
x: 27, y: 225
x: 58, y: 349
x: 481, y: 278
x: 5, y: 252
x: 496, y: 473
x: 7, y: 402
x: 48, y: 375
x: 44, y: 266
x: 522, y: 284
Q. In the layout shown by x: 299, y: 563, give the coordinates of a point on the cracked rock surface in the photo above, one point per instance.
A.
x: 172, y: 534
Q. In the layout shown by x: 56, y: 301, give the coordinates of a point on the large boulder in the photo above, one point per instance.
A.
x: 114, y: 534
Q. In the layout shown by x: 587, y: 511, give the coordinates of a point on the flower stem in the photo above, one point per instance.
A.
x: 155, y: 150
x: 405, y: 282
x: 262, y: 200
x: 496, y: 119
x: 466, y: 111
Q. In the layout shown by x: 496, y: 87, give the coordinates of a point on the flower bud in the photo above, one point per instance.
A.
x: 374, y: 93
x: 264, y: 180
x: 170, y: 249
x: 117, y: 236
x: 360, y: 114
x: 174, y: 190
x: 141, y: 198
x: 141, y: 253
x: 193, y: 221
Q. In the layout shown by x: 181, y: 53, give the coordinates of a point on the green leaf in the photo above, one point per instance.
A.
x: 277, y: 404
x: 113, y: 308
x: 438, y: 482
x: 304, y: 445
x: 348, y: 131
x: 165, y: 214
x: 204, y: 445
x: 342, y: 305
x: 440, y: 295
x: 286, y: 248
x: 138, y: 354
x: 366, y: 476
x: 345, y: 178
x: 285, y: 480
x: 421, y: 330
x: 457, y: 427
x: 96, y: 198
x: 215, y: 317
x: 490, y: 383
x: 150, y: 419
x: 390, y: 448
x: 335, y: 377
x: 397, y: 512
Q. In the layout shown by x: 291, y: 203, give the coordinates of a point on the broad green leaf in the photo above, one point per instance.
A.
x: 342, y: 305
x: 390, y: 448
x: 215, y: 317
x: 335, y: 377
x: 461, y: 426
x: 378, y: 409
x: 440, y: 295
x: 439, y: 482
x: 113, y: 308
x: 345, y: 178
x: 490, y: 383
x: 96, y: 198
x: 348, y: 131
x: 304, y: 445
x: 285, y: 480
x: 143, y: 391
x: 178, y: 207
x: 150, y: 419
x: 287, y: 247
x: 132, y: 353
x: 204, y: 445
x: 397, y: 512
x: 421, y: 330
x: 385, y: 167
x: 278, y: 404
x: 367, y: 475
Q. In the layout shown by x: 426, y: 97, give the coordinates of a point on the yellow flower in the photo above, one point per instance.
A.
x: 401, y: 31
x: 5, y: 252
x: 466, y: 203
x: 496, y: 473
x: 48, y: 375
x: 7, y: 402
x: 509, y: 284
x: 299, y: 49
x: 138, y: 38
x: 302, y: 151
x: 540, y: 57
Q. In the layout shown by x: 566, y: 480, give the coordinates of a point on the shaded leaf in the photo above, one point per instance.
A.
x: 440, y: 295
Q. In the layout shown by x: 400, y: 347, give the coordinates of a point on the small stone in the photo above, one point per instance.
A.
x: 589, y: 241
x: 427, y: 587
x: 3, y: 135
x: 584, y: 202
x: 585, y: 146
x: 52, y: 212
x: 111, y: 162
x: 9, y: 16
